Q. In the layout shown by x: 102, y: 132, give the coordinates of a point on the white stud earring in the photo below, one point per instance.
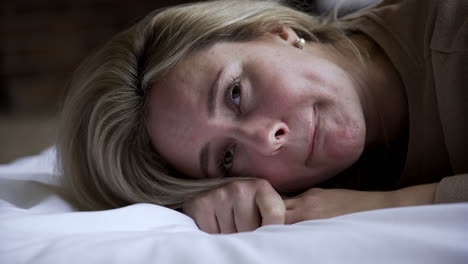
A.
x: 299, y: 43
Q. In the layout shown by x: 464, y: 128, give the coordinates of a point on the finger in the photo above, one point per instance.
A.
x: 208, y: 223
x: 203, y: 216
x: 270, y: 205
x: 226, y: 221
x: 246, y: 216
x: 293, y: 216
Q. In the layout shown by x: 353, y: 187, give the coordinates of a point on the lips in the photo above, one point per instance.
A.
x: 312, y: 134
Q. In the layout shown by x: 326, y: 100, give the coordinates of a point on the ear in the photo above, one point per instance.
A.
x: 285, y: 33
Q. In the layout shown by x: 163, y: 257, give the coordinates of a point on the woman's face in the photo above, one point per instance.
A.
x: 263, y: 108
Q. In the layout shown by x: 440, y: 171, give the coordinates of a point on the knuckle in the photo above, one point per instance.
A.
x: 262, y: 184
x: 236, y: 186
x: 240, y: 189
x: 277, y: 211
x: 203, y: 202
x: 218, y: 195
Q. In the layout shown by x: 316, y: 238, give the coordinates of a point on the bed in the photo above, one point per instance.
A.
x: 39, y: 224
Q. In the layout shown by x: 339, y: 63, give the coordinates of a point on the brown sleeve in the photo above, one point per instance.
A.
x: 452, y: 189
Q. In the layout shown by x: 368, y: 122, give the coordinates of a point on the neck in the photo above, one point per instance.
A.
x: 381, y: 93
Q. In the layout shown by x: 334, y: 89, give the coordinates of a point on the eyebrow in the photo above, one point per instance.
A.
x: 204, y: 154
x: 212, y: 94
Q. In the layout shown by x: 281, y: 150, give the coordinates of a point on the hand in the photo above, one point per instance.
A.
x: 239, y: 206
x: 325, y: 203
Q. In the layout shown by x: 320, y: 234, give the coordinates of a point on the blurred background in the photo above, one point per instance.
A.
x: 43, y: 41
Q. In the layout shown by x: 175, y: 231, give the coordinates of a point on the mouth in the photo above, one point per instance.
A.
x: 313, y: 135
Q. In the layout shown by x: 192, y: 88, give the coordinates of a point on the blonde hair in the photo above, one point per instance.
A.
x: 104, y: 150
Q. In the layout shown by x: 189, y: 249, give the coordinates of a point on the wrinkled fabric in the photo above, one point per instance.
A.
x: 39, y: 224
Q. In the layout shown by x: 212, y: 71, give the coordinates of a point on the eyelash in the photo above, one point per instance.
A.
x: 221, y: 159
x: 233, y: 84
x: 231, y: 148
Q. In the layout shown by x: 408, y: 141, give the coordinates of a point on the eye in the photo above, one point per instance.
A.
x: 234, y: 94
x: 226, y: 160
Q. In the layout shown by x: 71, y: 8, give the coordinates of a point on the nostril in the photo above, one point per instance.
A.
x: 279, y: 133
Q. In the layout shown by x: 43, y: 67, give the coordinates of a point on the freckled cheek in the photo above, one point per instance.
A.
x: 273, y: 84
x: 277, y: 100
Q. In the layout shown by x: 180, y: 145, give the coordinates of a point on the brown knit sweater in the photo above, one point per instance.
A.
x: 427, y: 41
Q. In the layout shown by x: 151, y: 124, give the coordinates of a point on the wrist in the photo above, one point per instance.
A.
x: 414, y: 195
x: 380, y: 200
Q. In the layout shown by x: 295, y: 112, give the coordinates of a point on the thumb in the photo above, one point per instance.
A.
x: 271, y: 207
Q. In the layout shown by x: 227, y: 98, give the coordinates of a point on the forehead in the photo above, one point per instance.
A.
x: 185, y: 84
x: 192, y: 74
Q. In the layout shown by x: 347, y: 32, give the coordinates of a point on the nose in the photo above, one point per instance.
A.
x: 265, y: 135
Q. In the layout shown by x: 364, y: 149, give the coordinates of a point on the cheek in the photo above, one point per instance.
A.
x: 345, y: 142
x: 278, y: 85
x: 343, y: 124
x: 278, y: 99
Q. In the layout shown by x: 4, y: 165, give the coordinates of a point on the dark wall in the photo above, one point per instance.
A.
x: 42, y: 42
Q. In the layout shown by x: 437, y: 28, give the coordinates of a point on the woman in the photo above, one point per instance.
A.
x: 229, y: 109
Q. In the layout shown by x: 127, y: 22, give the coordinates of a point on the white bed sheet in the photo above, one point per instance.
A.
x: 38, y: 225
